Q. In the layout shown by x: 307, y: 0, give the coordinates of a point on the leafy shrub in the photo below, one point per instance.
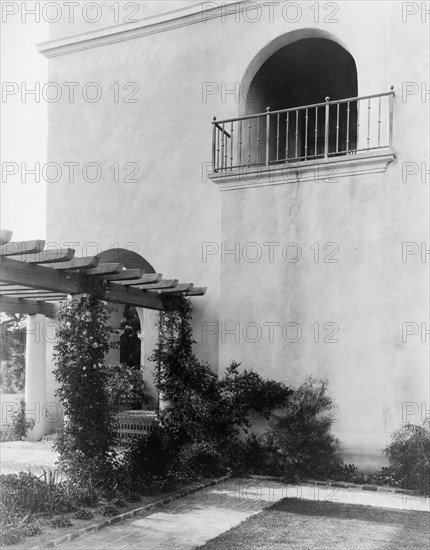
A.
x: 133, y: 497
x: 82, y: 495
x: 299, y: 441
x: 147, y: 455
x: 82, y: 513
x: 10, y: 520
x: 87, y: 478
x: 20, y: 424
x: 384, y: 476
x: 409, y: 457
x: 31, y: 530
x: 350, y: 474
x: 199, y: 459
x: 61, y: 521
x: 125, y: 386
x: 13, y: 527
x: 109, y: 509
x: 119, y: 502
x: 203, y: 415
x: 251, y: 456
x: 25, y: 494
x: 9, y: 535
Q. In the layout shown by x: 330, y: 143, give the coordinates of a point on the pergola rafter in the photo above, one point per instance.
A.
x: 31, y: 276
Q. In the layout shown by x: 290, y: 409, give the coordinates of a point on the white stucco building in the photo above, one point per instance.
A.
x: 311, y: 233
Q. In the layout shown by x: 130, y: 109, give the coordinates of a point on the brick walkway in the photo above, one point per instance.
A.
x: 189, y: 522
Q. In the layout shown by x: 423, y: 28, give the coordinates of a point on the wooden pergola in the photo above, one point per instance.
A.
x: 33, y: 278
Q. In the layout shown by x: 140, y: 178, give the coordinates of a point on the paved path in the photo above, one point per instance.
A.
x: 21, y: 456
x: 191, y: 521
x: 188, y: 522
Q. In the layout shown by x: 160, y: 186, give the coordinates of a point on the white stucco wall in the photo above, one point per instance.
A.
x: 173, y: 209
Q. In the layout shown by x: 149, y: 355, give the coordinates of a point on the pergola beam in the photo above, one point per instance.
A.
x: 178, y: 289
x: 22, y: 247
x: 29, y: 307
x: 76, y: 263
x: 48, y: 256
x: 164, y: 283
x: 53, y: 281
x: 126, y: 275
x: 130, y: 279
x: 106, y: 269
x: 38, y: 277
x: 135, y: 297
x: 148, y: 278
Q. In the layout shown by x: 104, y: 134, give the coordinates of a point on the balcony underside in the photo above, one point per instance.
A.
x: 323, y: 170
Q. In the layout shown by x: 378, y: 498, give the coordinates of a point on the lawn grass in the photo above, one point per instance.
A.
x: 308, y: 525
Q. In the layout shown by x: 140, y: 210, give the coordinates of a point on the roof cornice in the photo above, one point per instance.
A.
x: 197, y: 13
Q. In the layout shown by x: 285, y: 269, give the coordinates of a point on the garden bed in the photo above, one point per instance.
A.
x: 52, y: 536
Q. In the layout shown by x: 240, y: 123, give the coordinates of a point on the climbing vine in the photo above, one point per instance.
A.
x: 202, y: 415
x: 86, y: 445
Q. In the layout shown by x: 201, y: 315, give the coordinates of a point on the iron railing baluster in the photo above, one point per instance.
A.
x: 258, y: 140
x: 368, y: 124
x: 306, y: 133
x: 358, y: 125
x: 348, y: 122
x: 222, y: 147
x: 326, y: 127
x: 249, y: 141
x: 379, y: 122
x: 267, y: 136
x: 316, y: 133
x: 239, y: 136
x: 218, y: 149
x: 226, y: 147
x: 337, y: 128
x: 348, y: 112
x: 231, y: 145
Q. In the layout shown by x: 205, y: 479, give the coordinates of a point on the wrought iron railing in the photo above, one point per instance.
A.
x: 309, y: 132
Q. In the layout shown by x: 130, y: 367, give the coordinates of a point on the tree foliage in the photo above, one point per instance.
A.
x: 12, y: 353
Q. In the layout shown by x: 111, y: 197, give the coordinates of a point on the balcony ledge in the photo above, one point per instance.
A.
x: 325, y: 170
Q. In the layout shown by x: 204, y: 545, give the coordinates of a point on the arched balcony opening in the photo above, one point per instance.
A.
x: 301, y: 104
